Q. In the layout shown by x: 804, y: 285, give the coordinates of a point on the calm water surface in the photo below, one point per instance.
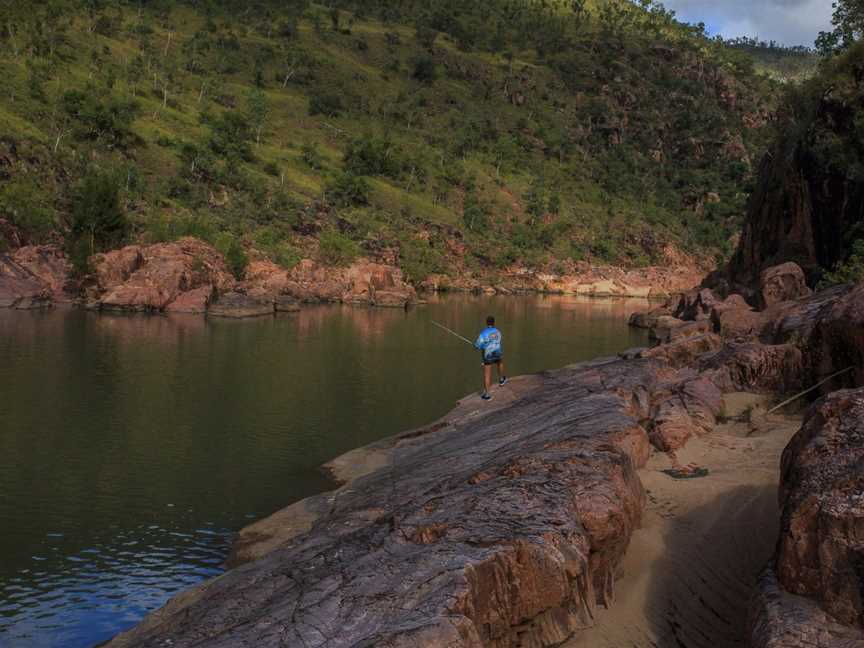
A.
x: 132, y: 447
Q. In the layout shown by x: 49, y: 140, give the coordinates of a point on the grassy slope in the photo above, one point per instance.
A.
x: 593, y: 124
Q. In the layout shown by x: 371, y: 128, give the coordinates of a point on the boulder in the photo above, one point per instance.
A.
x: 309, y: 282
x: 785, y: 282
x: 756, y: 367
x: 20, y: 288
x: 50, y: 265
x: 696, y: 305
x: 811, y: 594
x: 670, y: 329
x: 778, y: 619
x: 672, y: 426
x: 822, y: 496
x: 739, y: 323
x: 239, y: 305
x: 649, y: 319
x: 683, y: 409
x: 191, y: 301
x: 114, y: 268
x: 685, y: 350
x: 364, y: 283
x: 266, y: 277
x: 150, y: 278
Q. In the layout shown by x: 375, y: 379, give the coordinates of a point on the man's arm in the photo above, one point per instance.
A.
x: 481, y: 342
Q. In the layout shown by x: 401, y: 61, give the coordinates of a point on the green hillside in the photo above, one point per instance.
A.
x: 448, y: 136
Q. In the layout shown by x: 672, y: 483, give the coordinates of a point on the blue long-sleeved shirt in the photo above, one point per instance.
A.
x: 489, y: 342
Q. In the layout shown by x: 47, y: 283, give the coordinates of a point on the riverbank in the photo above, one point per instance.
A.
x: 190, y: 276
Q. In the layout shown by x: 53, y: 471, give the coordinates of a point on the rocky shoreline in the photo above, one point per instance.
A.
x: 506, y: 526
x: 190, y: 276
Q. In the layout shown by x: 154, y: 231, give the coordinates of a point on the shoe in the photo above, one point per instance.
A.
x: 502, y: 381
x: 486, y: 397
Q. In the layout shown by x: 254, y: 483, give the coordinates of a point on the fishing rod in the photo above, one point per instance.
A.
x: 451, y: 332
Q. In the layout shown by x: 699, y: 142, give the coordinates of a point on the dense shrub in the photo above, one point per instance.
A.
x: 326, y: 103
x: 105, y: 119
x: 379, y: 156
x: 312, y: 156
x: 424, y: 70
x: 24, y: 204
x: 235, y: 256
x: 336, y: 248
x: 474, y: 214
x: 348, y: 189
x: 230, y: 135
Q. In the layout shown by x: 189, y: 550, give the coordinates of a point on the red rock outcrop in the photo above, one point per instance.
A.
x: 151, y: 278
x: 50, y: 265
x: 686, y: 407
x: 33, y: 277
x: 782, y: 283
x: 363, y: 282
x: 697, y: 305
x: 20, y: 288
x: 819, y: 553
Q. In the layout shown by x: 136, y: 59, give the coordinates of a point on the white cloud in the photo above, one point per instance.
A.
x: 794, y: 22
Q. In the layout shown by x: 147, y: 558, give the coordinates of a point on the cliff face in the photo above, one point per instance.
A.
x: 808, y: 205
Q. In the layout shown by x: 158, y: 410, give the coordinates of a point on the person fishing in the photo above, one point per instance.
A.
x: 489, y: 343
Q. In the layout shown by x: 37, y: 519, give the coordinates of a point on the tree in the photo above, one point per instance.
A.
x: 97, y: 220
x: 424, y: 69
x: 848, y: 23
x: 348, y: 189
x: 230, y: 136
x: 101, y: 117
x: 257, y: 108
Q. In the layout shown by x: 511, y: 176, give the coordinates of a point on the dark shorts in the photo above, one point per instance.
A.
x: 493, y: 359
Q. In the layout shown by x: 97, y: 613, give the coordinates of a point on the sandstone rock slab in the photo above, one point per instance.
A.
x: 239, y: 306
x: 508, y: 526
x: 811, y: 594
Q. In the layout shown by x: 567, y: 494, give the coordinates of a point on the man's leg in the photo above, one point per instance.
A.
x: 502, y: 375
x: 487, y: 378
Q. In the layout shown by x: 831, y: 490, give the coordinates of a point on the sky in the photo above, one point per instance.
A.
x: 792, y: 22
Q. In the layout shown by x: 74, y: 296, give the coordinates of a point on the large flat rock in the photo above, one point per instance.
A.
x: 499, y: 528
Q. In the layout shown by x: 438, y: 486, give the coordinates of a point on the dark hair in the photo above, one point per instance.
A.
x: 490, y: 320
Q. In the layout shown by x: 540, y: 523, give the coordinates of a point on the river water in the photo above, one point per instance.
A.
x: 132, y: 447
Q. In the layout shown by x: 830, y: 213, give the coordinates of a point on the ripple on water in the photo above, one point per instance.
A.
x: 87, y: 596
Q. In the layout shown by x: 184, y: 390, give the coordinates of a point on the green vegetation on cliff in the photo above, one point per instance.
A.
x: 448, y: 136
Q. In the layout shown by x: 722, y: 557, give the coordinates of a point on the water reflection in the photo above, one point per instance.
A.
x: 132, y: 446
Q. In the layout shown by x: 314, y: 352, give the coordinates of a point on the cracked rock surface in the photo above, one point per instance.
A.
x: 811, y: 595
